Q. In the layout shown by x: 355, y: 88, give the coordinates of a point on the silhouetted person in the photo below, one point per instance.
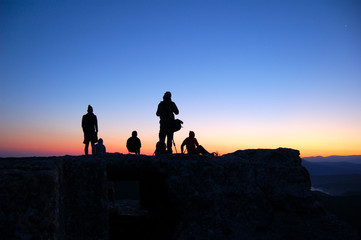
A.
x: 166, y: 110
x: 133, y: 143
x: 160, y: 148
x: 192, y: 145
x: 99, y: 147
x: 89, y: 124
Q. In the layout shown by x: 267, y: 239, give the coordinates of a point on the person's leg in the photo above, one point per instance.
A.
x: 201, y: 150
x: 162, y: 134
x: 86, y: 148
x: 93, y: 148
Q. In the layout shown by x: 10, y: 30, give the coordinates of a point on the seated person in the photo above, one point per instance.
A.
x: 133, y: 143
x: 160, y: 148
x: 192, y: 145
x: 99, y: 147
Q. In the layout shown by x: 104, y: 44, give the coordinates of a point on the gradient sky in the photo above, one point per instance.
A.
x: 244, y: 74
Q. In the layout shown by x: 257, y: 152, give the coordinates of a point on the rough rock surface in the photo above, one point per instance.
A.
x: 250, y: 194
x: 29, y: 198
x: 53, y: 198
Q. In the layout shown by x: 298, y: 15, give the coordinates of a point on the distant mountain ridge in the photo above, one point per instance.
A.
x: 331, y: 168
x: 335, y: 158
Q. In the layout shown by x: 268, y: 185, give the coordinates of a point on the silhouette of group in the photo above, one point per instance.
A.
x: 168, y: 125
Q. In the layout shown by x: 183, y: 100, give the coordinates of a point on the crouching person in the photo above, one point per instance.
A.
x: 134, y: 144
x: 100, y: 148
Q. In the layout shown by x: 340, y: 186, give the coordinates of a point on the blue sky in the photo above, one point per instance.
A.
x: 244, y: 74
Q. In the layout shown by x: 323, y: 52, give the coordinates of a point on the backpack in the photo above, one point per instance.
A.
x: 177, y: 125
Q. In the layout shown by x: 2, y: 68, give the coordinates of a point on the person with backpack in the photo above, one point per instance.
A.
x: 192, y: 145
x: 165, y: 111
x: 134, y: 144
x: 89, y: 124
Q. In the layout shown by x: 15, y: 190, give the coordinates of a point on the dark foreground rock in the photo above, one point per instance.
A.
x: 250, y: 194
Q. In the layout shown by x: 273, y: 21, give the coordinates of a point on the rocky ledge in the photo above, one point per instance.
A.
x: 249, y: 194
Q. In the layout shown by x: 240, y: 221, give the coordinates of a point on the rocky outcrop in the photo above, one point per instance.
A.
x: 29, y: 198
x: 53, y: 198
x: 250, y: 194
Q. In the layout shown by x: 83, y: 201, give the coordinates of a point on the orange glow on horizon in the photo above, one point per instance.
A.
x: 60, y: 143
x: 61, y: 150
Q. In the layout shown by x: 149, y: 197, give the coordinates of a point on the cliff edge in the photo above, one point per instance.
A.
x: 248, y: 194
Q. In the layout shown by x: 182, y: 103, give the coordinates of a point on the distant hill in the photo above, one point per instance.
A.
x: 331, y: 168
x: 351, y: 159
x: 335, y: 178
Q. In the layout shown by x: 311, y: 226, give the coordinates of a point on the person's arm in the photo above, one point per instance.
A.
x: 96, y: 124
x: 175, y: 109
x: 158, y: 110
x: 196, y: 142
x: 82, y: 123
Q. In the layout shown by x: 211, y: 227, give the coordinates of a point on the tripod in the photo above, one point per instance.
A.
x: 175, y: 146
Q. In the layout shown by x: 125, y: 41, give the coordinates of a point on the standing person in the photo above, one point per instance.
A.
x: 89, y: 124
x: 134, y: 144
x: 192, y: 145
x: 166, y: 110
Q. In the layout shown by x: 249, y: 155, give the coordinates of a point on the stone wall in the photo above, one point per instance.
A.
x: 250, y: 194
x: 84, y: 198
x: 30, y: 198
x: 53, y: 198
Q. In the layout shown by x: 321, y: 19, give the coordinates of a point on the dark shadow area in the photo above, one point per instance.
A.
x: 126, y: 190
x: 143, y: 209
x: 346, y: 208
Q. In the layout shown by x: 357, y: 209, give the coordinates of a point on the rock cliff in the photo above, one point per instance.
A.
x: 249, y: 194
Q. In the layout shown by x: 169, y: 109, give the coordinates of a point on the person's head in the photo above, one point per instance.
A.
x: 90, y: 109
x: 134, y: 133
x: 167, y: 96
x: 191, y: 134
x: 100, y: 141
